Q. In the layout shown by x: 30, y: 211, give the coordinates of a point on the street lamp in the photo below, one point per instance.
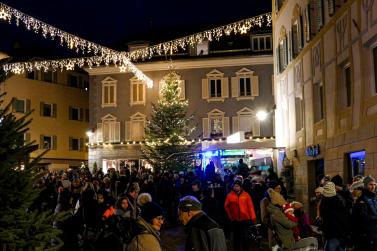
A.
x: 89, y: 134
x: 261, y: 115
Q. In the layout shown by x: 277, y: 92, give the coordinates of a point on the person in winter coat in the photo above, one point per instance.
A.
x: 282, y: 226
x: 147, y: 230
x: 335, y: 219
x: 364, y: 217
x: 240, y: 210
x: 203, y: 233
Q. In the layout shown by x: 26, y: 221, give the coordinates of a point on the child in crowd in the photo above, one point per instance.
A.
x: 289, y: 212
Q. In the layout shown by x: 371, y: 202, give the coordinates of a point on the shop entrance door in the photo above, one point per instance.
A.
x: 316, y: 171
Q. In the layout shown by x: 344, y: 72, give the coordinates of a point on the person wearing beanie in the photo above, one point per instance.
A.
x: 203, y: 233
x: 289, y: 212
x: 342, y: 191
x: 240, y: 210
x: 143, y: 198
x: 335, y: 218
x: 133, y: 190
x: 148, y: 225
x: 364, y: 217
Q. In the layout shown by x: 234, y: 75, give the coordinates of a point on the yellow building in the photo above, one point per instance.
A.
x: 325, y: 58
x: 60, y: 116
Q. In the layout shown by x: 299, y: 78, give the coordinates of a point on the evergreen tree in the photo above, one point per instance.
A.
x: 166, y: 134
x: 21, y: 228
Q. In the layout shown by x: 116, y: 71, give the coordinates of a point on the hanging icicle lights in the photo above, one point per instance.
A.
x: 109, y: 56
x: 103, y: 54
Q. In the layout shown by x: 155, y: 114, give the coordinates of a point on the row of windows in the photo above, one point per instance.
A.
x: 73, y: 79
x: 245, y: 85
x: 50, y: 110
x: 50, y: 142
x: 214, y: 126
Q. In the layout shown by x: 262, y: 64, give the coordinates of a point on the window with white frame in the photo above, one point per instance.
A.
x: 247, y: 122
x: 261, y: 43
x: 75, y: 113
x: 21, y: 105
x: 48, y: 109
x: 48, y: 142
x: 49, y: 76
x: 76, y: 144
x: 216, y: 125
x: 245, y: 85
x: 108, y: 130
x: 135, y: 127
x: 137, y: 92
x: 109, y: 92
x: 200, y: 49
x: 344, y: 86
x: 215, y: 86
x: 181, y: 86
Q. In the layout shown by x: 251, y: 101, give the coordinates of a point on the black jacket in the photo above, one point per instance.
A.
x: 335, y: 217
x: 204, y: 234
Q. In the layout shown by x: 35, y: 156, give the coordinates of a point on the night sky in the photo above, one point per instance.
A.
x: 113, y: 22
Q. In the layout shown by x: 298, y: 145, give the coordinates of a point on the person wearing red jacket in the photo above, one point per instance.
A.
x: 240, y: 210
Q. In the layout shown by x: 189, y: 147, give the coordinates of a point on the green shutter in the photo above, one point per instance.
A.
x: 54, y: 142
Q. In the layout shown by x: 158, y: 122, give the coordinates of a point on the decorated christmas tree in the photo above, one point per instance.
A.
x: 167, y: 146
x: 21, y: 227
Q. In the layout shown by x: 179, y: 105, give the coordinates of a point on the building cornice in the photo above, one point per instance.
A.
x: 188, y: 64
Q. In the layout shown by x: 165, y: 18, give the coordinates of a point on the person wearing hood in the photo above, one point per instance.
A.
x: 147, y: 229
x: 364, y: 217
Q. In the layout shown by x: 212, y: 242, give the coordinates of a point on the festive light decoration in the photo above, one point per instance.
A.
x: 108, y: 56
x: 172, y: 46
x: 103, y: 54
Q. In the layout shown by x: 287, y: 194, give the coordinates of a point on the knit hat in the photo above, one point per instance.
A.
x: 143, y: 198
x: 337, y: 180
x: 189, y: 203
x: 357, y: 184
x: 237, y: 182
x: 66, y: 184
x: 367, y: 180
x: 288, y: 207
x: 133, y: 187
x: 151, y: 210
x: 329, y: 189
x: 319, y: 190
x: 276, y: 198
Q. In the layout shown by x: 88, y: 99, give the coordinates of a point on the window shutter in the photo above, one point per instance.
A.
x: 225, y: 87
x: 86, y: 115
x: 41, y: 108
x: 41, y: 141
x: 290, y: 46
x: 331, y: 7
x: 278, y: 59
x: 81, y: 144
x: 81, y: 115
x: 14, y: 102
x: 255, y: 85
x: 182, y: 93
x: 54, y: 142
x: 235, y: 84
x: 99, y: 132
x: 127, y: 128
x: 205, y: 88
x: 285, y: 46
x: 28, y: 104
x: 106, y: 132
x: 299, y: 33
x: 205, y: 128
x: 54, y: 110
x: 310, y: 22
x: 226, y: 127
x: 235, y: 124
x: 27, y: 137
x: 70, y: 143
x: 70, y: 112
x: 256, y: 127
x: 117, y: 132
x: 319, y: 14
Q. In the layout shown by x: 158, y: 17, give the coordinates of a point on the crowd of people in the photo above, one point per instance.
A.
x: 123, y: 210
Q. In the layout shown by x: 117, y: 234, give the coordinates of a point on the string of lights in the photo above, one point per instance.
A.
x: 107, y: 56
x: 198, y: 141
x: 102, y: 54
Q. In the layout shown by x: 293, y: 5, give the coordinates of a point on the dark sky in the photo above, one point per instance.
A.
x: 109, y: 22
